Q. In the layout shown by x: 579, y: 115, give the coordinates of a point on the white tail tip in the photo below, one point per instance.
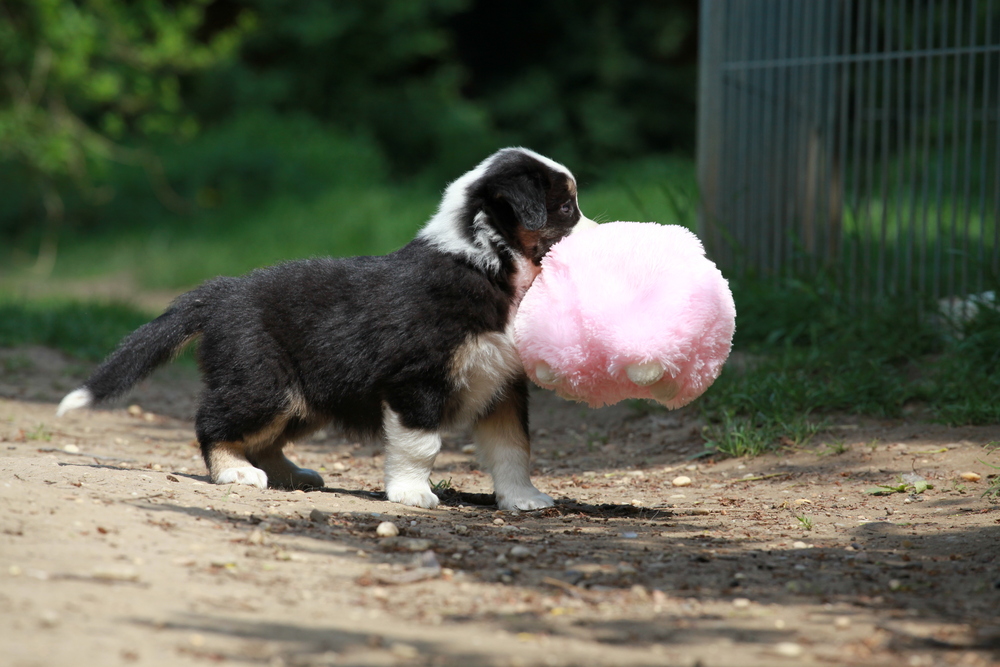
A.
x: 78, y: 398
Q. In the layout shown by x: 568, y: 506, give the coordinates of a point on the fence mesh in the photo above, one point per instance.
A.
x: 856, y: 137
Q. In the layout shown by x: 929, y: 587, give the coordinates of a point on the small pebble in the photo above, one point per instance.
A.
x: 788, y: 649
x: 683, y: 480
x: 49, y: 619
x: 842, y: 622
x: 385, y: 529
x: 71, y: 449
x: 519, y: 552
x: 468, y: 449
x: 630, y: 536
x: 799, y: 545
x: 395, y: 542
x: 636, y: 503
x: 461, y: 529
x: 971, y: 476
x: 498, y: 522
x: 135, y: 410
x: 741, y: 603
x: 317, y: 516
x: 405, y: 651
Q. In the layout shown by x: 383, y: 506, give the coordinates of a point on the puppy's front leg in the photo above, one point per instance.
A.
x: 409, y: 457
x: 504, y: 450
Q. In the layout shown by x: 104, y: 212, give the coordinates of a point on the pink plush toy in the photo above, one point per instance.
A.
x: 627, y: 310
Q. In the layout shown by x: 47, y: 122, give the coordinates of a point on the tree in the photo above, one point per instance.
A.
x: 84, y: 83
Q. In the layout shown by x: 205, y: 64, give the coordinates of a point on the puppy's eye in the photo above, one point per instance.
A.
x: 566, y: 208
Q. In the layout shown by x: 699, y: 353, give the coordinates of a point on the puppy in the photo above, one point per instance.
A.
x: 400, y: 346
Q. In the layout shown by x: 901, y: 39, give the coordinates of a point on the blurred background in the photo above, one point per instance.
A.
x: 841, y: 159
x: 173, y: 141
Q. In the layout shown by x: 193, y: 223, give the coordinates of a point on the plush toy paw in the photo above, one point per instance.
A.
x: 627, y: 310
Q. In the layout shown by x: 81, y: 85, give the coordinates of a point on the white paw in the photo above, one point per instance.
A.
x: 416, y: 495
x: 528, y: 499
x: 248, y: 475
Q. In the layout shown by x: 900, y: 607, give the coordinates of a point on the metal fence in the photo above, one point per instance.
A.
x: 856, y: 137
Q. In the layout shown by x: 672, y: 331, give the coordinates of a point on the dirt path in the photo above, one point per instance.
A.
x: 114, y: 549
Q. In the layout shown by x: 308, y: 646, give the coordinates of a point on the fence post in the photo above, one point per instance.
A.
x: 710, y: 119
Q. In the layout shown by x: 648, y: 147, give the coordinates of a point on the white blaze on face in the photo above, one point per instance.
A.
x: 583, y: 224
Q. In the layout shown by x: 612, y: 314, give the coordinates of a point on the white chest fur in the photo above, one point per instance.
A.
x: 481, y: 367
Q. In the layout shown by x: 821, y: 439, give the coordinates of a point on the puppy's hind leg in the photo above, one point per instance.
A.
x: 229, y: 449
x: 504, y: 449
x: 409, y: 458
x: 228, y: 464
x: 282, y: 473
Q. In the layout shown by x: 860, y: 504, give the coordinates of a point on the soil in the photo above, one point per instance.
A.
x: 116, y: 550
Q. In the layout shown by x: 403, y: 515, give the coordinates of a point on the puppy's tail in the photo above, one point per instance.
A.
x: 143, y: 350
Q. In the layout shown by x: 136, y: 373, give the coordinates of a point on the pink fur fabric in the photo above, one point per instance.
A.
x: 627, y: 310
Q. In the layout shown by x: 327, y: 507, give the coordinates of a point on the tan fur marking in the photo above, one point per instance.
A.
x: 236, y: 454
x: 504, y: 425
x: 480, y: 368
x: 265, y: 446
x: 528, y: 241
x: 225, y: 455
x: 297, y: 406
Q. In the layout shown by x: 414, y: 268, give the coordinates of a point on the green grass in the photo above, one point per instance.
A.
x: 87, y: 330
x: 806, y: 357
x: 343, y: 220
x: 339, y: 222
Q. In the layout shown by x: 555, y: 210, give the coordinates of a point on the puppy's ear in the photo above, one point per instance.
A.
x: 525, y: 196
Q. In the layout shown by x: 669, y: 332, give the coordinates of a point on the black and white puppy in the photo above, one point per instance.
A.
x: 399, y: 346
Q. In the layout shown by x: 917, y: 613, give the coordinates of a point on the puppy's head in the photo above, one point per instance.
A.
x: 530, y: 201
x: 515, y: 201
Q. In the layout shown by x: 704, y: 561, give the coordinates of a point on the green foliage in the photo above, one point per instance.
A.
x: 387, y: 69
x: 333, y: 207
x: 802, y: 351
x: 441, y: 83
x: 588, y: 81
x: 423, y: 88
x: 967, y: 380
x: 735, y: 435
x: 81, y: 77
x: 84, y: 329
x: 915, y: 486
